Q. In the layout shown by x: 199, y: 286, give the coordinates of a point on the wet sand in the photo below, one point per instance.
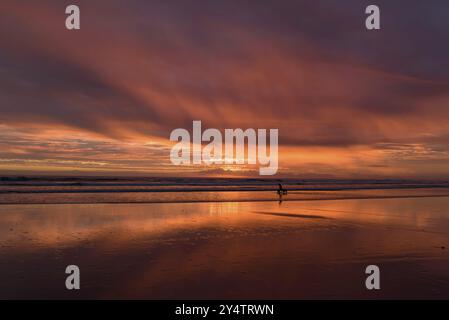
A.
x: 230, y: 250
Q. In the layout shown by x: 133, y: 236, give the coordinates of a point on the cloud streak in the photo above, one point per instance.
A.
x: 140, y: 69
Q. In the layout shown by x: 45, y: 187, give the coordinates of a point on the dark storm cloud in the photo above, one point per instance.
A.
x: 309, y: 67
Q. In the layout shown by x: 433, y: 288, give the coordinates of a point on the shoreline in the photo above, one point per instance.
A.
x: 218, y: 189
x: 231, y: 201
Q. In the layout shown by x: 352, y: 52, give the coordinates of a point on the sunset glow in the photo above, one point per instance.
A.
x: 104, y: 100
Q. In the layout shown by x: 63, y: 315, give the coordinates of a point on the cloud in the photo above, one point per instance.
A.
x: 138, y: 69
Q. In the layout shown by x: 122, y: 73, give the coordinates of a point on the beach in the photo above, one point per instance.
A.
x: 227, y: 150
x: 301, y: 249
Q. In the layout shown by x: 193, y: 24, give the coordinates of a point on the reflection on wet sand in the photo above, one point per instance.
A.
x: 253, y: 250
x: 280, y: 214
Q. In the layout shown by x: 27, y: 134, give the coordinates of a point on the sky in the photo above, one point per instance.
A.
x: 103, y: 100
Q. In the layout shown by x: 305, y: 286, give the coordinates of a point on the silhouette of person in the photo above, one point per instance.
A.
x: 281, y: 191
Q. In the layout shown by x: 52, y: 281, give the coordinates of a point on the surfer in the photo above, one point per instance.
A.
x: 281, y: 191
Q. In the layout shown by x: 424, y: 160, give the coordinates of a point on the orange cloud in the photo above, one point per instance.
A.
x: 107, y: 97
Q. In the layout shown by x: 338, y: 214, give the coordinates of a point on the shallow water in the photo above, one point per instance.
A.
x: 293, y: 249
x: 211, y: 196
x: 65, y: 190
